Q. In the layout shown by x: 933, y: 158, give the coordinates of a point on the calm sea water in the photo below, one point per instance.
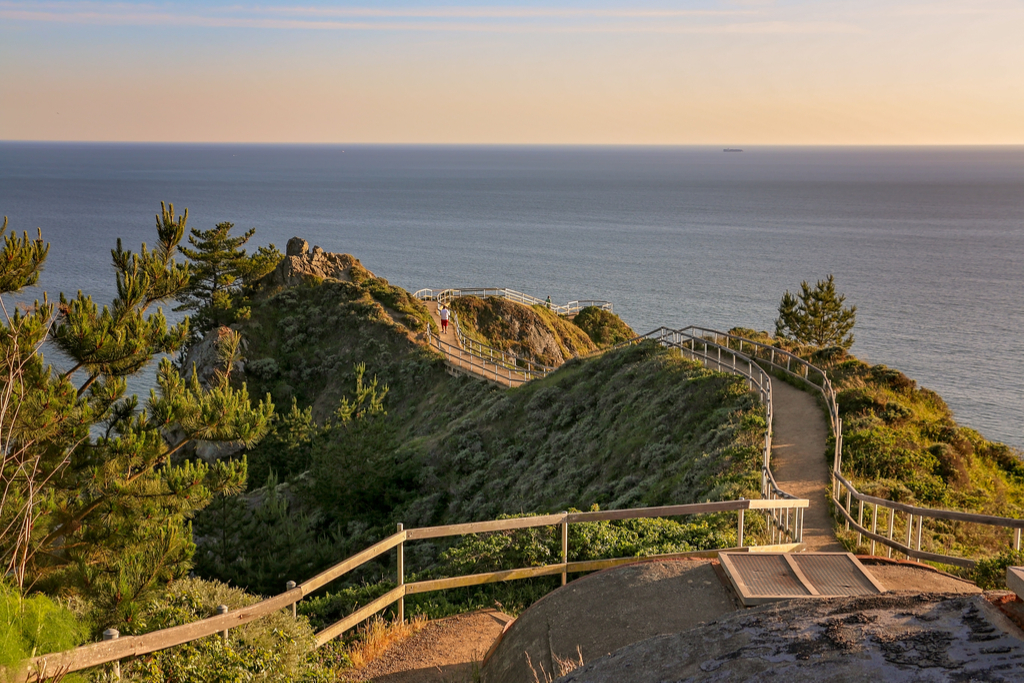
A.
x: 927, y: 242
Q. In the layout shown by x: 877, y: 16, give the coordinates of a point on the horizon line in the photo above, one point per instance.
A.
x: 515, y: 144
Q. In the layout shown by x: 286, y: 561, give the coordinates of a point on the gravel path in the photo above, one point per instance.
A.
x: 444, y: 651
x: 799, y: 462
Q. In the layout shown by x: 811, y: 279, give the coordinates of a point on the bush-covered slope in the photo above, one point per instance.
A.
x: 635, y: 426
x: 533, y: 332
x: 603, y: 327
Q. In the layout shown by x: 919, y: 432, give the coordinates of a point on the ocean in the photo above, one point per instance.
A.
x: 928, y: 243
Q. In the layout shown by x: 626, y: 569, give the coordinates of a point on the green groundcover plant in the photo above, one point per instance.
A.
x: 34, y: 625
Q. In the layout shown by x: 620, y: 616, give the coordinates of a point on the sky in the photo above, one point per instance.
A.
x: 863, y: 72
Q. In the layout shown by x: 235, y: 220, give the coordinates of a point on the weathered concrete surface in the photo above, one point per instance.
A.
x: 928, y: 638
x: 907, y: 578
x: 601, y: 612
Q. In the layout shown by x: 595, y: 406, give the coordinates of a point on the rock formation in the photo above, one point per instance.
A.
x: 302, y: 263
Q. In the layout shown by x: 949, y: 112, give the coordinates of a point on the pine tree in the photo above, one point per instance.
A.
x: 817, y: 316
x: 221, y: 271
x: 91, y: 497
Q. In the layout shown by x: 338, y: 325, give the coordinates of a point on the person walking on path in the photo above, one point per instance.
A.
x: 444, y: 319
x: 549, y: 302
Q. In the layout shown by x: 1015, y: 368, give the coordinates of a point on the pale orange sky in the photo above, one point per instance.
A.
x: 722, y: 73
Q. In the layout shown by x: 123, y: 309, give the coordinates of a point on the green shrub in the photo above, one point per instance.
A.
x: 603, y: 327
x: 895, y: 412
x: 990, y: 574
x: 587, y: 541
x: 272, y: 648
x: 34, y: 625
x: 259, y: 541
x: 892, y: 379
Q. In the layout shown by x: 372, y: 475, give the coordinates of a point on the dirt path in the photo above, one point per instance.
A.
x: 444, y: 651
x: 448, y: 344
x: 798, y: 460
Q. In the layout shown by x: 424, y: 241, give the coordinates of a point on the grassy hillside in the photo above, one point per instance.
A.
x: 533, y: 332
x: 636, y: 426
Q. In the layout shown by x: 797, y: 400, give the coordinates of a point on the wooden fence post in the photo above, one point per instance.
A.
x: 909, y: 530
x: 223, y: 609
x: 401, y: 575
x: 739, y: 529
x: 115, y: 668
x: 295, y: 605
x: 1016, y: 539
x: 565, y: 547
x: 849, y: 508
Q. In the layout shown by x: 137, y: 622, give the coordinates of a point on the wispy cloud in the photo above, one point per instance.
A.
x: 438, y: 19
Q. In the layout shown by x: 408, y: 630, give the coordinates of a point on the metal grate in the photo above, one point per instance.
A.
x: 767, y: 577
x: 838, y: 574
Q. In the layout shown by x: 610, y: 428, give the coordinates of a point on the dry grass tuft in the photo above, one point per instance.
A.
x: 565, y: 665
x: 378, y: 635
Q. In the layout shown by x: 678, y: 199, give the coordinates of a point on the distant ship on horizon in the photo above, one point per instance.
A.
x: 731, y: 149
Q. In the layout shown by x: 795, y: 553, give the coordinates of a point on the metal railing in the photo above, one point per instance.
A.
x: 699, y: 345
x: 117, y: 648
x: 491, y: 363
x: 818, y: 381
x: 482, y: 363
x: 698, y: 342
x: 445, y: 296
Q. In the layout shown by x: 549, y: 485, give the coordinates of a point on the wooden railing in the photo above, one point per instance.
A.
x: 117, y: 648
x: 881, y: 510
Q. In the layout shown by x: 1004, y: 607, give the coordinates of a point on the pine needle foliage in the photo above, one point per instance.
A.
x: 816, y: 316
x: 222, y: 270
x: 92, y: 500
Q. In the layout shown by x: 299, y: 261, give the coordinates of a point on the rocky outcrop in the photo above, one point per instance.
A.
x: 205, y: 357
x: 302, y: 264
